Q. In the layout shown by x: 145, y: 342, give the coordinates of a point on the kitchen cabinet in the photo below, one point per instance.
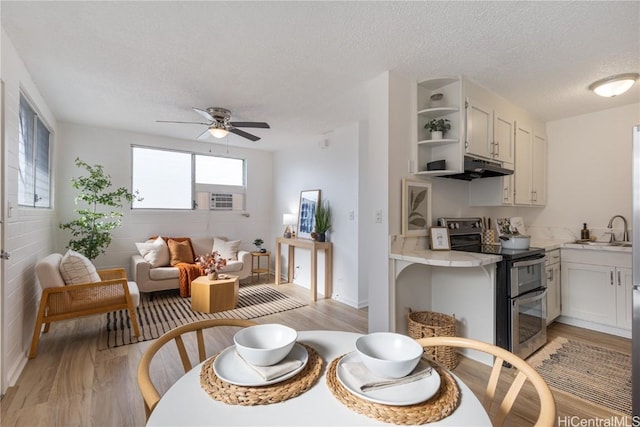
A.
x: 449, y: 107
x: 597, y: 290
x: 552, y: 268
x: 495, y: 191
x: 490, y: 132
x: 530, y: 176
x: 479, y: 129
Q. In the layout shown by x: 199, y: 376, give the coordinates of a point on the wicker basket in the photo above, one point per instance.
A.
x: 425, y: 324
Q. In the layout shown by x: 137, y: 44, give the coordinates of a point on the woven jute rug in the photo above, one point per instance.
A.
x: 167, y: 310
x: 597, y: 374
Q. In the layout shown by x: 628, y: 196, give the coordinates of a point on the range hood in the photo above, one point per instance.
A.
x: 476, y: 168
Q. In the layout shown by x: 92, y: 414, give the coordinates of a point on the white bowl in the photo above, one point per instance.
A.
x: 388, y: 354
x: 265, y: 345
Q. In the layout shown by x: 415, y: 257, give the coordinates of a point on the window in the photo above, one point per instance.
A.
x: 179, y: 180
x: 34, y: 181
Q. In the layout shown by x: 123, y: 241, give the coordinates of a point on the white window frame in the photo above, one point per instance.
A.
x: 34, y: 174
x: 200, y: 192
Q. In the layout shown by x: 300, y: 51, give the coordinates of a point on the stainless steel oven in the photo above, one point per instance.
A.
x: 521, y: 296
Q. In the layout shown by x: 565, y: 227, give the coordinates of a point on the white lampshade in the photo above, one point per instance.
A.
x: 614, y: 85
x: 289, y: 219
x: 218, y: 132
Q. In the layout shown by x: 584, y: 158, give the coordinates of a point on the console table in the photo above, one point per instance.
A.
x: 313, y: 246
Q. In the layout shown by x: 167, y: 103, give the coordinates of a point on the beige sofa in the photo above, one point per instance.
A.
x: 151, y: 279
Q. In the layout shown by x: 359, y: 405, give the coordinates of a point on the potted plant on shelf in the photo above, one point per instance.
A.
x: 258, y: 242
x: 438, y: 127
x: 323, y: 221
x: 211, y: 264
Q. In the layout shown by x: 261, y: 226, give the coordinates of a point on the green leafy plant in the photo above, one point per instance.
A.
x: 258, y: 242
x: 323, y: 217
x: 91, y: 231
x: 435, y: 125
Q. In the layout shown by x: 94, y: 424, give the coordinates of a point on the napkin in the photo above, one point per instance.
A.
x: 365, y: 380
x: 286, y: 365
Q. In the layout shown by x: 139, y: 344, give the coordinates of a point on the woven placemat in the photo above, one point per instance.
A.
x: 441, y: 405
x: 264, y: 395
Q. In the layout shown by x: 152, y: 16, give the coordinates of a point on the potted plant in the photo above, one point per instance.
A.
x: 323, y: 221
x: 258, y: 242
x: 438, y: 127
x: 91, y: 231
x: 211, y: 264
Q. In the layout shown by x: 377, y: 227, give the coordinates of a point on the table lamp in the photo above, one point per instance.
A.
x: 289, y: 220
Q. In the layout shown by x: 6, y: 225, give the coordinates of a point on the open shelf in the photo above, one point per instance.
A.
x: 436, y: 142
x: 433, y: 113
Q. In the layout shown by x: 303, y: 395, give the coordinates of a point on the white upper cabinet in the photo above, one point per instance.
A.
x: 490, y: 132
x: 479, y: 129
x: 530, y: 175
x: 503, y: 135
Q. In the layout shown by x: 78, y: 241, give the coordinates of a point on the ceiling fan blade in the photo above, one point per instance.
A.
x: 262, y: 125
x: 244, y: 134
x: 204, y: 136
x: 204, y: 113
x: 189, y: 123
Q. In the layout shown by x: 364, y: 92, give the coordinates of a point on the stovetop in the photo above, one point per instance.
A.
x: 499, y: 250
x: 466, y: 235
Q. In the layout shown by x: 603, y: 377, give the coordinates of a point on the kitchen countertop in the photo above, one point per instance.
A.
x: 413, y: 250
x: 627, y: 249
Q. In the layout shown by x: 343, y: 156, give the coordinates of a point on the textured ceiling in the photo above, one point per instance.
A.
x: 303, y: 66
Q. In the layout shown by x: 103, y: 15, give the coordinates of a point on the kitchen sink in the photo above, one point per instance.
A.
x: 623, y: 244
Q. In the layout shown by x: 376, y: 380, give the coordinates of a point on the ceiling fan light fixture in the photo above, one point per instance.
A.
x: 218, y: 132
x: 614, y: 85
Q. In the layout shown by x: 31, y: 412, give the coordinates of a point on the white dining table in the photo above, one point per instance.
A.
x: 187, y: 404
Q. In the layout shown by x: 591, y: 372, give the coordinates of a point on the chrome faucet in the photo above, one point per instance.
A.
x: 625, y: 234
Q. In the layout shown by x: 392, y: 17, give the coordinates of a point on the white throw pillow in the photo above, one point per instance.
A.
x: 228, y: 249
x: 77, y: 269
x: 155, y: 252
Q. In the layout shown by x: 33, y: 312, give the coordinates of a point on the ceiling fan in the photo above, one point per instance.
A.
x: 220, y: 124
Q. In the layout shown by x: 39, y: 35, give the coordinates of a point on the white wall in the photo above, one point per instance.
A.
x: 589, y: 170
x: 112, y: 149
x: 333, y: 170
x: 28, y: 233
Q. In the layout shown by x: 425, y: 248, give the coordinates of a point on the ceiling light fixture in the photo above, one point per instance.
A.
x: 218, y: 131
x: 614, y: 85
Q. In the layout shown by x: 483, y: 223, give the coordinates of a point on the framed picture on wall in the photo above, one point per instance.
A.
x: 416, y: 207
x: 439, y: 240
x: 309, y: 200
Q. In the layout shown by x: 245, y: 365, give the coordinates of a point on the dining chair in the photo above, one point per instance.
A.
x: 547, y: 414
x: 149, y: 392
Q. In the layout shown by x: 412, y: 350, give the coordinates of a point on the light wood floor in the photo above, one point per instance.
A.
x: 71, y: 383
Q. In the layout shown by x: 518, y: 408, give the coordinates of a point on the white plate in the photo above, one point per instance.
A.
x: 400, y: 395
x: 230, y: 368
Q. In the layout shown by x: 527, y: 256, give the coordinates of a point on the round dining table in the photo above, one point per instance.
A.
x: 186, y: 403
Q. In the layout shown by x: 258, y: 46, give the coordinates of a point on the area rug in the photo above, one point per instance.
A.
x: 167, y: 310
x: 597, y: 374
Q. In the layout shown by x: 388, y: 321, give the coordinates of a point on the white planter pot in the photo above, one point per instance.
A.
x: 436, y: 134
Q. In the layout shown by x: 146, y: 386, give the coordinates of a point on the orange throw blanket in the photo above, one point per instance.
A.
x: 187, y: 274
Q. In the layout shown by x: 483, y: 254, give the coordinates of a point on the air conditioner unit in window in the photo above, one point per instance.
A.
x: 221, y: 202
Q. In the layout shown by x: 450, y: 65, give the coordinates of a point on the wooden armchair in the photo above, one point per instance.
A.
x: 61, y: 302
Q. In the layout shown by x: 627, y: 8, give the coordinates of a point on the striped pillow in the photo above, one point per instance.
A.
x: 77, y: 269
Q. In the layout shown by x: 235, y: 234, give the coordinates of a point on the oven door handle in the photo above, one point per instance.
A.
x: 536, y: 261
x: 538, y: 296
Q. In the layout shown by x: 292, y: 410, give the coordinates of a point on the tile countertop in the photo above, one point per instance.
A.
x: 412, y: 249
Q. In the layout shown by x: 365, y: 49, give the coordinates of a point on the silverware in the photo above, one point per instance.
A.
x: 398, y: 381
